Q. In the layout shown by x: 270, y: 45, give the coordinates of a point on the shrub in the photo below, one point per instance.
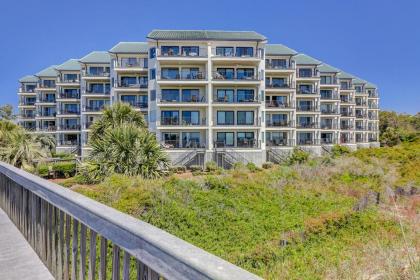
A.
x: 267, y: 165
x: 339, y: 150
x: 42, y: 170
x: 178, y: 169
x: 298, y: 156
x: 211, y: 166
x: 252, y: 167
x: 215, y: 183
x: 65, y: 169
x: 195, y: 168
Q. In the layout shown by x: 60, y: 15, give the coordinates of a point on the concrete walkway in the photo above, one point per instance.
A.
x: 17, y: 258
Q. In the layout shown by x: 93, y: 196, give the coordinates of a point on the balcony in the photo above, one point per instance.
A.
x: 132, y: 64
x: 68, y: 142
x: 27, y: 115
x: 96, y: 92
x: 346, y: 113
x: 26, y: 90
x: 278, y: 86
x: 64, y: 80
x: 46, y: 114
x: 373, y: 139
x: 271, y: 66
x: 361, y: 128
x: 278, y: 123
x: 330, y: 96
x: 373, y: 94
x: 69, y: 95
x: 346, y: 126
x: 93, y: 109
x: 183, y: 99
x: 346, y: 100
x: 47, y: 86
x: 69, y: 112
x: 236, y: 99
x: 243, y: 143
x: 307, y: 92
x: 27, y: 103
x: 328, y: 141
x: 329, y: 111
x: 236, y: 53
x: 95, y: 74
x: 178, y: 144
x: 332, y: 82
x: 179, y: 76
x: 46, y: 100
x: 346, y: 87
x: 234, y: 76
x: 306, y: 108
x: 361, y: 115
x: 182, y: 52
x: 307, y: 125
x: 328, y: 125
x: 182, y: 122
x: 360, y: 103
x: 136, y: 86
x: 308, y: 142
x: 373, y: 106
x: 69, y: 127
x: 138, y: 105
x: 282, y: 142
x: 278, y: 104
x: 50, y: 128
x: 307, y: 74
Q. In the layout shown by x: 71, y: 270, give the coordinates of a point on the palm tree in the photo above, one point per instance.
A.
x: 122, y: 144
x: 115, y: 116
x: 20, y: 148
x: 47, y: 141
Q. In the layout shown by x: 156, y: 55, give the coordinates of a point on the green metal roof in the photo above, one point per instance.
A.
x: 29, y: 79
x: 47, y: 72
x: 278, y: 49
x: 130, y: 47
x: 358, y: 81
x: 69, y: 65
x: 345, y: 75
x: 370, y: 85
x: 306, y: 60
x: 96, y: 57
x: 326, y: 68
x: 205, y: 35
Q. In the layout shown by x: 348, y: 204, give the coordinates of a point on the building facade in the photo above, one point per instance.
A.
x: 207, y: 96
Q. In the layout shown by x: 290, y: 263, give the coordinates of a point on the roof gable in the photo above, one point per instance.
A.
x: 130, y: 47
x: 304, y: 59
x: 278, y: 49
x: 47, y: 72
x: 69, y: 65
x: 96, y: 57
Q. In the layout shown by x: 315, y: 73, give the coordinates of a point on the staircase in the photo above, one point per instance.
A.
x: 226, y: 158
x: 326, y: 149
x: 276, y: 157
x: 191, y: 158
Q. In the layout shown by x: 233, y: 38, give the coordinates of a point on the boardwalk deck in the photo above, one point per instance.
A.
x: 17, y: 259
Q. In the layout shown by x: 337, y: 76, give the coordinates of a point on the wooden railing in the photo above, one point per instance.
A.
x: 79, y: 238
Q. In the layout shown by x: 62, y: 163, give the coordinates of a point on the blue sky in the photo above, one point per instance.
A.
x: 378, y: 40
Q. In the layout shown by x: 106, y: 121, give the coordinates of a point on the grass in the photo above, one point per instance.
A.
x: 294, y: 222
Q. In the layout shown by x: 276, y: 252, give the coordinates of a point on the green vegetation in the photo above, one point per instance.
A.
x: 122, y: 144
x: 396, y: 128
x: 23, y: 149
x: 296, y: 221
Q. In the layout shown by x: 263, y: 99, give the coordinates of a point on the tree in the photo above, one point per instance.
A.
x: 6, y: 112
x: 395, y: 128
x: 122, y: 144
x: 20, y: 148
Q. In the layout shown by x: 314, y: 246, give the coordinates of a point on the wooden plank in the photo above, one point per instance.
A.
x: 115, y: 262
x: 49, y: 236
x: 74, y: 252
x: 142, y: 271
x: 60, y: 245
x: 67, y: 249
x: 92, y: 256
x: 54, y: 241
x: 126, y: 266
x: 43, y: 224
x: 82, y: 269
x: 103, y: 258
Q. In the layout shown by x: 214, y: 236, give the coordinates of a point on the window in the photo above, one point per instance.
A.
x: 245, y: 95
x: 170, y: 50
x: 152, y: 53
x: 191, y: 95
x: 224, y: 51
x: 326, y: 94
x: 170, y: 95
x: 97, y: 104
x: 245, y: 73
x: 190, y: 117
x: 48, y: 83
x: 326, y: 80
x: 226, y: 73
x: 143, y: 101
x: 278, y: 119
x: 305, y: 89
x: 358, y: 89
x: 305, y: 105
x: 305, y: 72
x: 225, y: 118
x: 131, y: 99
x: 70, y: 77
x: 190, y: 51
x: 344, y: 85
x: 152, y: 74
x: 245, y: 139
x: 170, y: 117
x: 225, y: 139
x: 191, y: 139
x: 244, y: 51
x: 245, y: 117
x: 279, y: 63
x: 279, y: 82
x: 128, y: 81
x: 277, y: 138
x: 225, y: 95
x: 170, y: 73
x: 171, y: 139
x: 107, y: 88
x: 189, y: 73
x: 98, y: 71
x: 96, y: 88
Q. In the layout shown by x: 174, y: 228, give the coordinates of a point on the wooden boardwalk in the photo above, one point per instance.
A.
x: 17, y: 258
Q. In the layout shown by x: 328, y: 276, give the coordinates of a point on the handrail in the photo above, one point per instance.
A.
x: 38, y: 208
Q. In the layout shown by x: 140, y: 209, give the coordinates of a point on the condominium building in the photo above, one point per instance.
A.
x: 207, y: 95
